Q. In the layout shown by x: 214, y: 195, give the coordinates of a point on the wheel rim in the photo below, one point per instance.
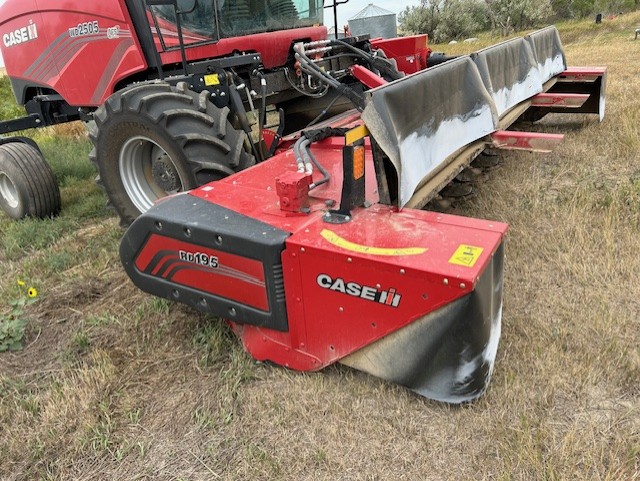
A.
x: 8, y: 191
x: 147, y: 172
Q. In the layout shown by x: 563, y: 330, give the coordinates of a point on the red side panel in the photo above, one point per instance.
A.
x: 409, y: 52
x: 79, y: 54
x: 216, y: 272
x: 19, y: 51
x: 352, y: 284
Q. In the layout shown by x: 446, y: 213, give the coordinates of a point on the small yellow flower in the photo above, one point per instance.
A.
x: 32, y: 292
x: 21, y: 283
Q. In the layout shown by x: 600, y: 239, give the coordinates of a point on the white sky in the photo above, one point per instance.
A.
x: 347, y: 10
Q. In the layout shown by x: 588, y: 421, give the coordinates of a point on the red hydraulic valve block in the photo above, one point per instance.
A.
x: 293, y: 191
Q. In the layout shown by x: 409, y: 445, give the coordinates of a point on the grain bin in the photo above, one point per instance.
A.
x: 374, y: 21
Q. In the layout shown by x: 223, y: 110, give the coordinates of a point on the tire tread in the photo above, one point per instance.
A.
x: 34, y: 176
x: 210, y: 147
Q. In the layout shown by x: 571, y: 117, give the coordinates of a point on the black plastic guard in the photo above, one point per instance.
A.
x: 447, y: 355
x: 200, y: 240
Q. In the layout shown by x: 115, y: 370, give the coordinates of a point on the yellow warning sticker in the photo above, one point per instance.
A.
x: 212, y: 79
x: 466, y: 255
x: 336, y: 240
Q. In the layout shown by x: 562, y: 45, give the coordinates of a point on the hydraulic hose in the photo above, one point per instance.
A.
x: 324, y: 111
x: 307, y: 66
x: 325, y: 174
x: 308, y: 94
x: 304, y: 156
x: 298, y: 152
x: 344, y: 90
x: 380, y: 63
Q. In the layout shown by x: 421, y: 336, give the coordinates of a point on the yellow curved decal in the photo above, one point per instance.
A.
x: 336, y: 240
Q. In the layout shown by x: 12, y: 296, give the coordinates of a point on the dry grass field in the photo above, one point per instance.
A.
x: 113, y: 384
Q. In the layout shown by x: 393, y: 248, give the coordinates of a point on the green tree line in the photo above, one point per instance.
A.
x: 446, y: 20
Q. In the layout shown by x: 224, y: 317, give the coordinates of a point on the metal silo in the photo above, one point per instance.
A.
x: 332, y: 34
x: 374, y: 21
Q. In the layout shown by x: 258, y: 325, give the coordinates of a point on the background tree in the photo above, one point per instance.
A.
x: 562, y: 9
x: 461, y: 19
x: 569, y: 9
x: 421, y: 19
x: 581, y: 8
x: 512, y: 15
x: 615, y: 6
x: 445, y: 20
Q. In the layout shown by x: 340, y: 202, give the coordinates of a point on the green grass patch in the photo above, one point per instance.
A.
x: 9, y: 109
x: 20, y: 239
x: 85, y: 202
x: 59, y: 261
x: 14, y: 320
x: 67, y: 155
x: 215, y: 341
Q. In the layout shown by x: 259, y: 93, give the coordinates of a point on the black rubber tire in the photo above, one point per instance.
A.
x: 28, y: 187
x: 197, y: 137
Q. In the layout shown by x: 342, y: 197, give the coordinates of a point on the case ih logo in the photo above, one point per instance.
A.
x: 21, y: 35
x: 199, y: 258
x: 389, y: 297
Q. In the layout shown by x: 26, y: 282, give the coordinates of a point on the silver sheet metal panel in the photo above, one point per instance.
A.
x: 422, y: 119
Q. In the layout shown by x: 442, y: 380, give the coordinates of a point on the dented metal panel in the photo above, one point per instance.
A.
x: 423, y: 118
x: 510, y: 72
x: 548, y: 50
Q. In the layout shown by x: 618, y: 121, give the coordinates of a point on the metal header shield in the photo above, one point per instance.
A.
x: 548, y: 50
x: 423, y: 118
x: 510, y: 72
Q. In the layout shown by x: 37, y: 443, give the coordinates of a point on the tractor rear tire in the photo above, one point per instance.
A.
x: 28, y: 187
x: 152, y: 140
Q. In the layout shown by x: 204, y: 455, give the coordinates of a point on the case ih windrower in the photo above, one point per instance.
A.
x: 310, y: 244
